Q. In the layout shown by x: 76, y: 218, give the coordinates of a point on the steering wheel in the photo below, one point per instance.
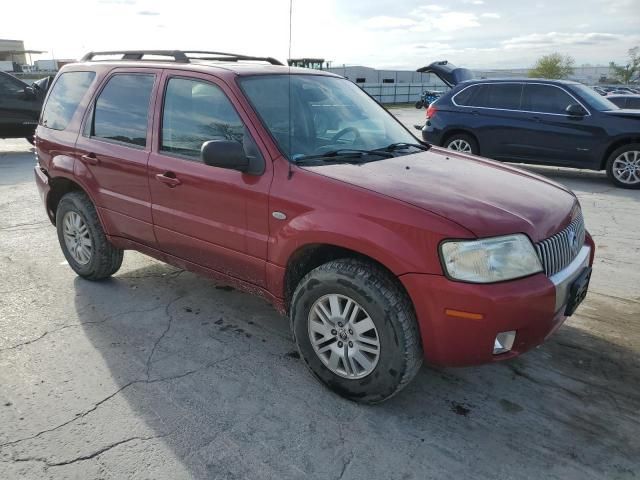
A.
x: 343, y: 132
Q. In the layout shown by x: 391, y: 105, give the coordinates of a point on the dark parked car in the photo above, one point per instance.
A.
x: 625, y: 100
x: 551, y: 122
x: 295, y: 185
x: 20, y: 105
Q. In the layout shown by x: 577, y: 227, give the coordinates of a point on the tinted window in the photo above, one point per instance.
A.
x: 546, y: 99
x: 465, y: 97
x: 122, y: 109
x: 196, y: 112
x: 10, y: 85
x: 618, y: 101
x: 503, y: 95
x: 66, y: 94
x: 633, y: 103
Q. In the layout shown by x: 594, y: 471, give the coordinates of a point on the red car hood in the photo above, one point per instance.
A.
x: 486, y: 197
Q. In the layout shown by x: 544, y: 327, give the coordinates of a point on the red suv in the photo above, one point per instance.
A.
x: 293, y: 184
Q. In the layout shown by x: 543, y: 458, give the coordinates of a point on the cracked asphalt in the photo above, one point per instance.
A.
x: 159, y: 373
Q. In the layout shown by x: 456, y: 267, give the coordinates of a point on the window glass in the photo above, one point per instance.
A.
x: 65, y: 96
x: 504, y: 95
x: 472, y: 96
x: 546, y: 99
x: 633, y: 103
x: 196, y: 112
x: 314, y: 114
x: 10, y: 85
x: 122, y: 109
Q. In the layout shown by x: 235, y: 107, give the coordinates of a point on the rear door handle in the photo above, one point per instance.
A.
x: 168, y: 178
x: 90, y: 158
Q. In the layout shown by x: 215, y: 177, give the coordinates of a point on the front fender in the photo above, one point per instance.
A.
x: 400, y: 248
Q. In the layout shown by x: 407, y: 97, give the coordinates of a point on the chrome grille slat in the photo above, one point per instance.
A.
x: 559, y: 250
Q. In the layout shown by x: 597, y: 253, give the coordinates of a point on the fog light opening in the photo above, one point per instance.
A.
x: 504, y: 342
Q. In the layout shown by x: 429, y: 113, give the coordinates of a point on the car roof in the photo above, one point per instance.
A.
x: 623, y: 95
x: 519, y: 80
x: 241, y: 68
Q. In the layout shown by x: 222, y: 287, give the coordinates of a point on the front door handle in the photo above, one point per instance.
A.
x: 168, y: 178
x: 90, y: 158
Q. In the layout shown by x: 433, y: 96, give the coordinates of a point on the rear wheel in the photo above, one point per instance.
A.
x: 623, y: 166
x: 82, y: 239
x: 461, y: 142
x: 356, y: 330
x: 419, y: 104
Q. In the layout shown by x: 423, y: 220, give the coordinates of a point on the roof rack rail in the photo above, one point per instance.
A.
x: 180, y: 56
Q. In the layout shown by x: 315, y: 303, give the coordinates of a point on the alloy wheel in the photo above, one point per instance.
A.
x: 344, y: 336
x: 460, y: 145
x: 77, y: 238
x: 626, y: 167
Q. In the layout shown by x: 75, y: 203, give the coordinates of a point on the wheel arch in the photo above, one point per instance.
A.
x: 310, y: 256
x: 460, y: 131
x: 59, y: 187
x: 614, y: 146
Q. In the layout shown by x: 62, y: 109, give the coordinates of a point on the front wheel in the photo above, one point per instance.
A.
x: 623, y: 166
x: 356, y: 330
x: 82, y: 239
x: 461, y: 142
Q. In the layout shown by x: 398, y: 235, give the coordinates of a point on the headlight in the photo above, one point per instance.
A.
x: 490, y: 259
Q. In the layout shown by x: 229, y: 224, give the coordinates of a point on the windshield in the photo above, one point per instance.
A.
x: 594, y: 99
x: 325, y: 114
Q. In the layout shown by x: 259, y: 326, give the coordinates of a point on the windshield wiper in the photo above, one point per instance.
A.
x: 343, y: 154
x: 403, y: 145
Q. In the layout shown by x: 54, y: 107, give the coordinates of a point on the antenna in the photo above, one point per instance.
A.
x: 289, y: 78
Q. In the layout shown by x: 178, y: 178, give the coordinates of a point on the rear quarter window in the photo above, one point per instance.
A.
x: 65, y: 96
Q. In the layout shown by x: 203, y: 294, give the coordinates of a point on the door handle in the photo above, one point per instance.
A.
x: 90, y: 158
x: 168, y: 178
x: 535, y: 119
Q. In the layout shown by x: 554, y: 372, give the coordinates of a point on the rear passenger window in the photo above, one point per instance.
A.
x: 504, y: 96
x: 633, y: 103
x: 464, y: 98
x: 66, y: 94
x: 545, y: 99
x: 195, y: 112
x: 121, y: 111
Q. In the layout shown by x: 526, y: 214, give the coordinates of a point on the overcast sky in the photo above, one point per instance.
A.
x: 378, y: 33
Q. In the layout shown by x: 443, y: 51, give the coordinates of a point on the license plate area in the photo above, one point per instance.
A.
x: 578, y: 291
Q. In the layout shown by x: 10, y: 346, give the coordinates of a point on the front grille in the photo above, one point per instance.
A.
x: 559, y: 250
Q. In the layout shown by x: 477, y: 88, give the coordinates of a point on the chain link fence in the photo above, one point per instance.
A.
x: 399, y: 92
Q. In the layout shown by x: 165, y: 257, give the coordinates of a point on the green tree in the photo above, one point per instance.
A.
x: 626, y: 73
x: 552, y: 66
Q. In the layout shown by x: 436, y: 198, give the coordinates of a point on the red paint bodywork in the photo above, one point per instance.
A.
x: 397, y: 211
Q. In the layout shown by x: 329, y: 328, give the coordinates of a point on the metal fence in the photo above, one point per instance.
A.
x: 399, y: 92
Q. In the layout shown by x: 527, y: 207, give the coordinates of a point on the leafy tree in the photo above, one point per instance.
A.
x: 629, y: 71
x: 552, y: 66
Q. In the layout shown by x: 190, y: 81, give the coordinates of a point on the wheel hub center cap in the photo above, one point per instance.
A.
x: 342, y: 334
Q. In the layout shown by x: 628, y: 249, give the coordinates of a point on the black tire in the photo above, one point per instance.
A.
x: 419, y: 104
x: 631, y: 147
x: 105, y: 259
x: 475, y: 149
x: 390, y: 309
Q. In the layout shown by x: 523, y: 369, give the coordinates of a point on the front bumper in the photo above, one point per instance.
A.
x: 534, y: 307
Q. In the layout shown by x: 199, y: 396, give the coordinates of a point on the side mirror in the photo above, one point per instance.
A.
x: 575, y: 110
x: 30, y: 92
x: 230, y: 155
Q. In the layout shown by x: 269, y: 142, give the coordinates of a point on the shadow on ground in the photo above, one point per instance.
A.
x: 214, y: 373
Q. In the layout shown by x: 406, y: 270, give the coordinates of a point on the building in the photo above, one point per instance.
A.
x: 13, y: 51
x: 590, y: 75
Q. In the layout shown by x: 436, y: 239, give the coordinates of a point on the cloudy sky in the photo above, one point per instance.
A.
x: 378, y: 33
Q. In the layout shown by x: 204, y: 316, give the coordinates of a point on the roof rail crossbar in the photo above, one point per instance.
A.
x: 180, y: 56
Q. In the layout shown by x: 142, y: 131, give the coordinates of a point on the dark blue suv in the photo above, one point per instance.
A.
x: 551, y: 122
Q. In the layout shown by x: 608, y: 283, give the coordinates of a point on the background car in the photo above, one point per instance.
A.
x: 625, y: 101
x: 538, y: 121
x: 20, y: 105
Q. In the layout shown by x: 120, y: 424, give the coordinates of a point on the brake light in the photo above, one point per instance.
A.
x: 431, y: 111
